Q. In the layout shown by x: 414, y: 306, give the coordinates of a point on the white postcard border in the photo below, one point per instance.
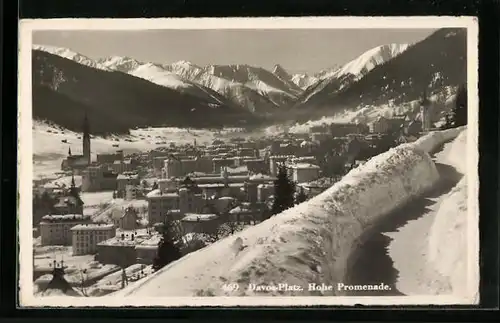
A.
x: 25, y: 157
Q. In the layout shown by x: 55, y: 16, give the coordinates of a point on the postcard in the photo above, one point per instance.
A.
x: 248, y: 161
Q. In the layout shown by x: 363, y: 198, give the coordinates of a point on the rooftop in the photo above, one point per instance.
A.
x: 215, y: 185
x: 92, y: 227
x: 194, y: 217
x: 158, y: 194
x: 127, y: 176
x: 139, y: 239
x: 304, y: 166
x: 65, y: 217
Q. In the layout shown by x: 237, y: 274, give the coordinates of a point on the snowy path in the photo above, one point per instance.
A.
x: 378, y: 257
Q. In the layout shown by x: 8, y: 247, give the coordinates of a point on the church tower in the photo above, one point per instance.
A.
x: 86, y: 139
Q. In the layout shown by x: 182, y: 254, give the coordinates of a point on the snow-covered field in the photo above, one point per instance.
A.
x: 49, y: 149
x: 309, y: 243
x: 369, y: 113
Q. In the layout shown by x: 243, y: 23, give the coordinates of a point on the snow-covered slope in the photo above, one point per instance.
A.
x: 364, y: 63
x: 49, y: 149
x: 309, y: 243
x: 303, y: 80
x: 256, y: 96
x: 442, y: 101
x: 159, y: 75
x: 69, y: 54
x: 119, y: 63
x: 154, y: 73
x: 333, y: 80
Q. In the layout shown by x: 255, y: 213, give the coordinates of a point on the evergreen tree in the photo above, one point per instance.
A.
x: 47, y: 203
x: 301, y: 196
x: 459, y: 112
x: 168, y: 251
x: 284, y: 190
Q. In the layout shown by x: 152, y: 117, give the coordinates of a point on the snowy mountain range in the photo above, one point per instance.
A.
x: 254, y: 88
x: 272, y: 93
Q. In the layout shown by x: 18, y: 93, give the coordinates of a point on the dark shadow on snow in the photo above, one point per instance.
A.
x: 370, y: 263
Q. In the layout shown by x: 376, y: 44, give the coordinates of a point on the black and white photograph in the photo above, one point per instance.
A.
x: 248, y: 162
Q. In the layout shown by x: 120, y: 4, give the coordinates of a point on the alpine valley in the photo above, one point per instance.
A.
x: 122, y: 93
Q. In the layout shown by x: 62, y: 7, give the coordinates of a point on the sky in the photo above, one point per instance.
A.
x: 297, y: 50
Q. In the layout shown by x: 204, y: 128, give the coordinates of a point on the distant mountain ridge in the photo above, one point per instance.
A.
x: 438, y: 61
x: 116, y: 102
x: 388, y: 73
x: 258, y: 90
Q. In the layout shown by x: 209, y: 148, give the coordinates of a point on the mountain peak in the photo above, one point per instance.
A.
x: 183, y: 62
x: 69, y: 54
x: 278, y: 69
x: 365, y: 62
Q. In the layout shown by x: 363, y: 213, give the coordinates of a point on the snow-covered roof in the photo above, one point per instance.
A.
x: 127, y: 176
x: 226, y: 198
x: 281, y: 156
x: 157, y: 194
x: 65, y: 217
x: 240, y: 209
x: 127, y: 241
x: 257, y: 177
x: 93, y: 227
x: 216, y: 185
x: 194, y: 217
x: 304, y: 166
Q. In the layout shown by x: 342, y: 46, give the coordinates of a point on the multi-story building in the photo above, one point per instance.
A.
x: 174, y: 167
x: 98, y: 178
x: 343, y: 129
x: 159, y: 203
x: 122, y: 166
x: 256, y: 166
x: 124, y: 179
x: 200, y: 223
x: 381, y: 125
x: 110, y: 158
x: 85, y: 237
x: 56, y: 229
x: 128, y: 248
x: 303, y: 173
x: 219, y: 163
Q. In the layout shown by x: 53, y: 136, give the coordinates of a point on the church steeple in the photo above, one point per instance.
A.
x: 86, y: 139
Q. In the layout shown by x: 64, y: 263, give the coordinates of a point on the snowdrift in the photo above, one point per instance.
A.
x: 309, y: 243
x: 432, y: 141
x: 448, y: 241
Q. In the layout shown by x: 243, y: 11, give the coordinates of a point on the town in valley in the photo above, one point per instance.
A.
x: 110, y: 216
